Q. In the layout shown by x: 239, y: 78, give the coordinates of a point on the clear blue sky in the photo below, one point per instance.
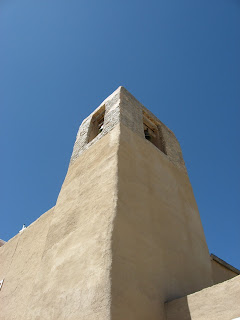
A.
x: 60, y: 59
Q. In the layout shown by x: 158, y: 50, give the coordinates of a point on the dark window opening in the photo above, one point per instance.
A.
x: 97, y: 122
x: 152, y: 133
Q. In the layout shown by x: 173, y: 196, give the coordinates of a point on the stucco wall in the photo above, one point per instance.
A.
x: 74, y: 279
x: 159, y: 248
x: 20, y: 260
x: 219, y: 302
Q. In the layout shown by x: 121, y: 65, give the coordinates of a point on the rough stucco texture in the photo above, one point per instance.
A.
x: 74, y: 279
x: 219, y: 302
x: 159, y: 249
x: 20, y: 260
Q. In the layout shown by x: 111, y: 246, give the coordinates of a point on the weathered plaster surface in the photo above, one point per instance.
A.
x: 74, y: 279
x: 111, y: 119
x: 20, y: 260
x: 159, y: 249
x: 219, y: 302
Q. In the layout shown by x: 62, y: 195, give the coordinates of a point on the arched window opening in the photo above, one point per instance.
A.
x: 152, y: 133
x: 97, y: 123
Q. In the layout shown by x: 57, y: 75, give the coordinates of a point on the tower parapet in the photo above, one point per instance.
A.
x: 121, y: 107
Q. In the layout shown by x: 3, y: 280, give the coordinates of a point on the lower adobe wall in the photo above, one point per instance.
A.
x: 20, y: 259
x: 219, y: 302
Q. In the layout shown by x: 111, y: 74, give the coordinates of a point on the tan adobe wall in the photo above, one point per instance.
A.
x: 74, y: 278
x: 159, y: 249
x: 219, y: 302
x: 20, y: 260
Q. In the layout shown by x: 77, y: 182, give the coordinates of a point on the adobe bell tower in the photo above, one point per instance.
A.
x: 125, y: 235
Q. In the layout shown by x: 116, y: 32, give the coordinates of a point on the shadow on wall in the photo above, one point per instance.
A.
x: 178, y: 309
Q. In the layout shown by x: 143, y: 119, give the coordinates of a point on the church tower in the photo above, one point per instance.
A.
x: 125, y: 235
